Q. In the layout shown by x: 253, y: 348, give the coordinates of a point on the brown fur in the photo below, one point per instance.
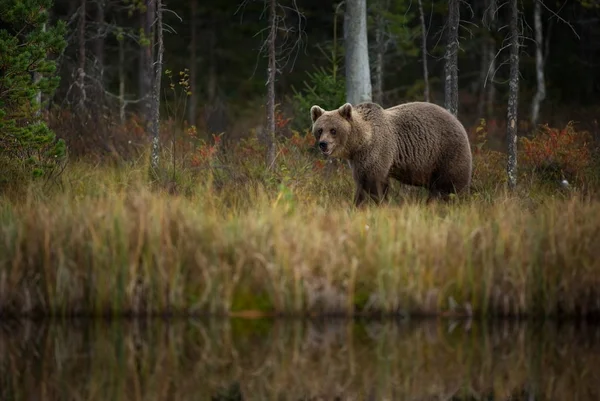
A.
x: 417, y: 143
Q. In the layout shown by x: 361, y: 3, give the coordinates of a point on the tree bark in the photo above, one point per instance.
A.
x: 38, y: 95
x: 451, y: 56
x: 99, y: 43
x: 491, y: 50
x: 81, y: 55
x: 146, y: 58
x: 379, y: 60
x: 193, y: 104
x: 483, y: 66
x: 424, y: 52
x: 540, y: 94
x: 358, y: 75
x: 513, y: 96
x: 155, y: 109
x: 122, y: 80
x: 271, y: 71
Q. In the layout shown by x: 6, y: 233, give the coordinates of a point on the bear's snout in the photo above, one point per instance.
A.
x: 323, y: 146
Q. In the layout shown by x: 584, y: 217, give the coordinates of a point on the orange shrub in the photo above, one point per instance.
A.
x: 557, y: 153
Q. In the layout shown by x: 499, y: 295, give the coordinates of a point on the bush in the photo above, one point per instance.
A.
x: 489, y: 166
x: 556, y: 154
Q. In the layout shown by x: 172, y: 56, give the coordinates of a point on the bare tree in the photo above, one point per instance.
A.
x: 122, y: 102
x: 489, y: 57
x: 81, y: 55
x: 99, y: 42
x: 424, y: 51
x: 513, y: 96
x: 358, y: 75
x: 146, y: 58
x: 540, y: 94
x: 278, y: 57
x: 381, y: 45
x: 271, y: 71
x: 451, y: 56
x: 193, y: 62
x: 155, y: 103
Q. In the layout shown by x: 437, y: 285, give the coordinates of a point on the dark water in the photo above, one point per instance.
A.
x: 298, y: 360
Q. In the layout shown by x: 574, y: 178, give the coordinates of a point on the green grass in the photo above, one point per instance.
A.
x: 237, y: 239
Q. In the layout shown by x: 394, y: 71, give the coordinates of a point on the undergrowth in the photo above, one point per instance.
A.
x: 219, y: 234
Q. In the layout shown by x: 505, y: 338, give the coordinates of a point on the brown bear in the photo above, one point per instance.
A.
x: 417, y: 143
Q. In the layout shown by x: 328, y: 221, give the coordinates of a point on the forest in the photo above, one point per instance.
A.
x: 157, y: 157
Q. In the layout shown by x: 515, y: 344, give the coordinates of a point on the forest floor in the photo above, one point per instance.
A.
x: 227, y: 237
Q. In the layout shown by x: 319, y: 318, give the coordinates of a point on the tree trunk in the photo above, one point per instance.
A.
x: 270, y: 129
x: 513, y: 96
x: 483, y: 66
x: 146, y: 58
x: 540, y: 94
x: 193, y: 104
x: 81, y: 58
x: 491, y: 50
x: 155, y: 109
x: 122, y: 80
x: 483, y: 73
x: 99, y: 43
x: 424, y: 51
x: 451, y: 65
x: 358, y: 75
x: 379, y: 60
x: 38, y: 95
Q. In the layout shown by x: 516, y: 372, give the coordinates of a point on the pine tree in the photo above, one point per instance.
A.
x: 27, y: 41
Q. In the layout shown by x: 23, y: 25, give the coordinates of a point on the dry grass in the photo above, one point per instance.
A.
x: 298, y: 361
x: 107, y: 243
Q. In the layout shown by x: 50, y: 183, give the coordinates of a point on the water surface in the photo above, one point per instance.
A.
x: 298, y: 360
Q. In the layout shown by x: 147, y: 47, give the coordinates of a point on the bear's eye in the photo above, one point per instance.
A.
x: 332, y: 131
x: 320, y: 131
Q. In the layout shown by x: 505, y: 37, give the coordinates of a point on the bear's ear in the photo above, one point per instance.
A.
x: 346, y: 111
x: 316, y: 112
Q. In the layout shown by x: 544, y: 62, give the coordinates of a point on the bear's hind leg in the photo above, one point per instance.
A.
x: 440, y: 188
x: 436, y: 194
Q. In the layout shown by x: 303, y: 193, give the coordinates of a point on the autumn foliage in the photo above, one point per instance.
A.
x: 558, y: 154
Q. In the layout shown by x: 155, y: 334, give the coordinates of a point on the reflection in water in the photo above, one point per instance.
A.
x: 298, y: 360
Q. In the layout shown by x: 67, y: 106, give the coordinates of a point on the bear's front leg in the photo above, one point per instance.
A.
x: 376, y: 189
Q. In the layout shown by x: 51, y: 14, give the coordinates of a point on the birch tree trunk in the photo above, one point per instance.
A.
x: 193, y: 63
x: 540, y: 94
x: 451, y: 56
x: 424, y: 51
x: 271, y: 71
x: 155, y: 103
x: 513, y: 97
x: 358, y: 74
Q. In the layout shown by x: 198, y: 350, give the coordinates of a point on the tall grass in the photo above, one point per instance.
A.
x: 294, y: 360
x: 234, y: 240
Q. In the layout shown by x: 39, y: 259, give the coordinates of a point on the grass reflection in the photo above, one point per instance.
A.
x: 297, y: 360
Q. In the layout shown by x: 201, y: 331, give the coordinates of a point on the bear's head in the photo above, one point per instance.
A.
x: 332, y: 129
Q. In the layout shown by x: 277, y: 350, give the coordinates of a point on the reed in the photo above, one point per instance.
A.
x: 108, y: 243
